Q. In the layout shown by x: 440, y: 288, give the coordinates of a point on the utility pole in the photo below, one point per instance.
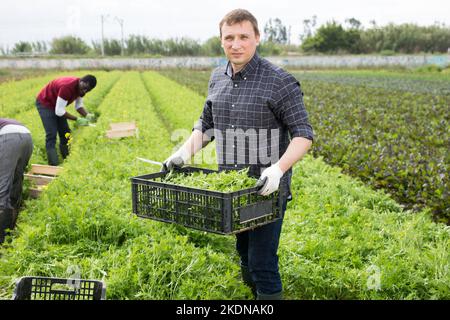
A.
x: 120, y: 21
x: 103, y: 18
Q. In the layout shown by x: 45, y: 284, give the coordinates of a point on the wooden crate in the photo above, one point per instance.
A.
x: 41, y: 175
x: 122, y: 129
x: 35, y: 192
x: 38, y: 180
x: 45, y: 170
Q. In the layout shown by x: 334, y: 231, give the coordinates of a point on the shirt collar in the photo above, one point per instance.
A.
x: 248, y: 69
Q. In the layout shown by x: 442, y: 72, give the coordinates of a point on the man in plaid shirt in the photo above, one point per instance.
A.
x: 255, y: 112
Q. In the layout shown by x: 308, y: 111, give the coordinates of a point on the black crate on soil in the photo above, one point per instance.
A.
x: 47, y: 288
x: 211, y: 211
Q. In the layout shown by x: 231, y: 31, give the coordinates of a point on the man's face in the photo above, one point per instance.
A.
x: 84, y: 88
x: 239, y: 43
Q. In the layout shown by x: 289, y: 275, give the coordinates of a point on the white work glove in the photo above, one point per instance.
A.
x: 273, y: 175
x: 82, y: 122
x: 178, y: 159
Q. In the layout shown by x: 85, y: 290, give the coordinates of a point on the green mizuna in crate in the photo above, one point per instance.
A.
x: 224, y: 181
x: 224, y: 202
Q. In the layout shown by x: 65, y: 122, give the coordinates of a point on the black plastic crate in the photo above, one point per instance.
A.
x: 211, y: 211
x: 45, y: 288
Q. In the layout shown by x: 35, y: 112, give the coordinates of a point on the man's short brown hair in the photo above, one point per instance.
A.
x: 238, y: 16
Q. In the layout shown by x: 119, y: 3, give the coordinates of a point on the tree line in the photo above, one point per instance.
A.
x: 333, y: 37
x: 330, y: 38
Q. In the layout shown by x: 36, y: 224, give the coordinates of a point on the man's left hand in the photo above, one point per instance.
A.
x: 82, y: 122
x: 273, y: 174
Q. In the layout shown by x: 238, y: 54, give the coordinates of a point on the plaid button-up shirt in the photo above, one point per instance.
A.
x: 253, y: 115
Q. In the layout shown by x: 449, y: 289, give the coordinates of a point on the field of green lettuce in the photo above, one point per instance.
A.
x: 365, y: 221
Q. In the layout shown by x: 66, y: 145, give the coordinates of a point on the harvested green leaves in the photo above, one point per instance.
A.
x: 224, y: 181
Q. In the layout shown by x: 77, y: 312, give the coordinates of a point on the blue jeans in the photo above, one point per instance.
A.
x: 54, y: 125
x: 258, y: 251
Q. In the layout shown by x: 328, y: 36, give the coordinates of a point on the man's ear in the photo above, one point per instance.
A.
x: 257, y: 40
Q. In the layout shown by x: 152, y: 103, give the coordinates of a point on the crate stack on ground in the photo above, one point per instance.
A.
x: 40, y: 176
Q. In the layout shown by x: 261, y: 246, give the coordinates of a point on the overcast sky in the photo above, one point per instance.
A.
x: 32, y: 20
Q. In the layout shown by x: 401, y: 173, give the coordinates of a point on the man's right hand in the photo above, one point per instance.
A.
x: 178, y: 159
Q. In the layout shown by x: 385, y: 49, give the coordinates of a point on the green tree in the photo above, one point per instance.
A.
x: 275, y: 31
x: 354, y: 23
x: 39, y: 46
x: 353, y: 36
x: 135, y: 45
x: 182, y: 47
x: 212, y: 47
x: 22, y: 47
x: 308, y: 28
x: 69, y: 45
x: 112, y: 47
x: 333, y: 38
x: 329, y: 38
x: 406, y: 38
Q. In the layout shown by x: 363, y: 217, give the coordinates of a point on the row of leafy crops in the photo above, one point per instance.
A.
x: 432, y: 83
x: 394, y: 140
x: 389, y: 129
x: 340, y: 239
x: 178, y: 112
x: 19, y: 96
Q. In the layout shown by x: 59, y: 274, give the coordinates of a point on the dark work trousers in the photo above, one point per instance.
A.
x: 54, y: 125
x: 257, y: 249
x: 15, y: 152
